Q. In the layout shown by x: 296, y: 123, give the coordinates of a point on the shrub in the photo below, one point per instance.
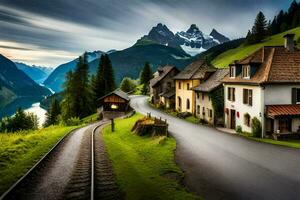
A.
x: 256, y: 127
x: 74, y: 121
x: 239, y: 129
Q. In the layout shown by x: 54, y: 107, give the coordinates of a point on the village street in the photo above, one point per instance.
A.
x: 223, y: 166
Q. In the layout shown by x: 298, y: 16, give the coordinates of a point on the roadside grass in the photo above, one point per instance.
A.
x: 287, y: 143
x: 144, y: 165
x: 90, y: 119
x: 193, y: 119
x: 20, y: 151
x: 224, y: 59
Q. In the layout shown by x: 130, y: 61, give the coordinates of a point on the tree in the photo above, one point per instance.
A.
x: 259, y: 29
x: 104, y: 81
x: 77, y: 94
x: 20, y: 121
x: 146, y: 74
x: 127, y: 85
x: 52, y: 113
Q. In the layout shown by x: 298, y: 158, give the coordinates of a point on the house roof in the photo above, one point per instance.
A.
x: 168, y: 94
x: 283, y: 110
x: 214, y: 81
x: 195, y: 70
x: 119, y: 93
x: 278, y: 65
x: 164, y: 72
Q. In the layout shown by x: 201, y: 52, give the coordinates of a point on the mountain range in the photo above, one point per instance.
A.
x: 14, y: 83
x: 36, y: 73
x: 193, y: 41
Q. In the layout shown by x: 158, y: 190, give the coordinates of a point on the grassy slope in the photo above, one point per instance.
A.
x: 20, y: 151
x: 224, y: 59
x: 140, y: 162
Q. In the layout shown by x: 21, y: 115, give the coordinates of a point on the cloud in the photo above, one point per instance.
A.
x: 70, y: 27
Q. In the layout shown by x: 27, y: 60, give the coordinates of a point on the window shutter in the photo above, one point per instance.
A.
x: 294, y: 95
x: 250, y: 97
x: 228, y: 94
x: 244, y: 96
x: 233, y: 94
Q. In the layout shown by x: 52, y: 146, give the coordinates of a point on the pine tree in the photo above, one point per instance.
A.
x: 146, y: 74
x: 52, y: 113
x: 259, y: 30
x: 108, y: 73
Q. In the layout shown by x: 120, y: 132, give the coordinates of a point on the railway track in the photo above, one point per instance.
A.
x: 91, y: 177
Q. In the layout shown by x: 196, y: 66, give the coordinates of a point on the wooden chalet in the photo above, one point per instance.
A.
x: 117, y: 101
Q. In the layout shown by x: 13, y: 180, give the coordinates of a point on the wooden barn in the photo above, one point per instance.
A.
x: 117, y: 101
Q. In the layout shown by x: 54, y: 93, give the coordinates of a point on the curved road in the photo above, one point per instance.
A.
x: 224, y: 166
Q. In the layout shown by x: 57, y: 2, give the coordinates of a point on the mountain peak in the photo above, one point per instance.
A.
x: 193, y: 29
x: 218, y: 36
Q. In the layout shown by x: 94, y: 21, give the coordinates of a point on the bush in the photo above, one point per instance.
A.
x: 74, y: 121
x: 256, y: 127
x: 239, y: 129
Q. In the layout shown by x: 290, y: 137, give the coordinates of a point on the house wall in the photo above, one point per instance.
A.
x: 256, y: 110
x: 279, y: 94
x: 207, y: 104
x: 295, y: 124
x: 185, y: 94
x: 163, y: 86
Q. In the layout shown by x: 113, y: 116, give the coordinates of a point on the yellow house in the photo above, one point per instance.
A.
x: 193, y: 75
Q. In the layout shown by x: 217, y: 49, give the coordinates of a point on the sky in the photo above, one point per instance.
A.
x: 52, y: 32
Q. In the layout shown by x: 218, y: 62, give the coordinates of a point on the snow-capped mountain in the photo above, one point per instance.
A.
x: 193, y: 41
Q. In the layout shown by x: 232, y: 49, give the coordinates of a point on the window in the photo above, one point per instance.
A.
x: 208, y: 97
x: 247, y: 97
x: 179, y: 102
x: 187, y: 86
x: 203, y: 111
x: 247, y: 119
x: 246, y: 71
x: 198, y: 95
x: 169, y: 85
x: 198, y: 110
x: 188, y: 104
x: 179, y: 85
x: 231, y: 94
x: 295, y: 95
x: 232, y: 71
x: 210, y: 113
x: 203, y: 96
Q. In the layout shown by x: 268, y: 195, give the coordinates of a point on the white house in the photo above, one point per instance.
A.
x: 265, y: 85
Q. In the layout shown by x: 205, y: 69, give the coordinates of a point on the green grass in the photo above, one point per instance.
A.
x: 224, y: 59
x: 193, y: 119
x: 20, y: 151
x: 287, y: 143
x: 141, y: 162
x: 90, y: 119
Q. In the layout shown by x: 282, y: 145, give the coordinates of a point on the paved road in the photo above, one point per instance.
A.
x: 224, y: 166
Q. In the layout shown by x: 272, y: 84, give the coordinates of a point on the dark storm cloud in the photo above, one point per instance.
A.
x: 79, y: 25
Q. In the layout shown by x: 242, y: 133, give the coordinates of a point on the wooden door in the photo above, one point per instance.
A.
x: 232, y: 119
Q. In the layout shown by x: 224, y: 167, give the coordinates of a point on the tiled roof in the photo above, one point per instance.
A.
x: 214, y: 81
x: 164, y: 71
x: 195, y: 70
x: 283, y: 110
x: 278, y: 66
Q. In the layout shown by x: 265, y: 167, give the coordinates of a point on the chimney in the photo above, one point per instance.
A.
x: 289, y: 43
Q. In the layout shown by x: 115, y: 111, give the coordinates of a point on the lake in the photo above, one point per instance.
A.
x: 38, y: 111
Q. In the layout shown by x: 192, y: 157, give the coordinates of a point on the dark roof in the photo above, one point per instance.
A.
x: 278, y: 65
x: 195, y: 70
x: 283, y: 110
x: 164, y: 72
x: 168, y: 94
x: 119, y: 93
x: 214, y: 81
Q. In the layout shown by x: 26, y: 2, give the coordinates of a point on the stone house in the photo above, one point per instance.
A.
x: 193, y: 75
x: 265, y: 85
x: 162, y: 86
x: 204, y: 105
